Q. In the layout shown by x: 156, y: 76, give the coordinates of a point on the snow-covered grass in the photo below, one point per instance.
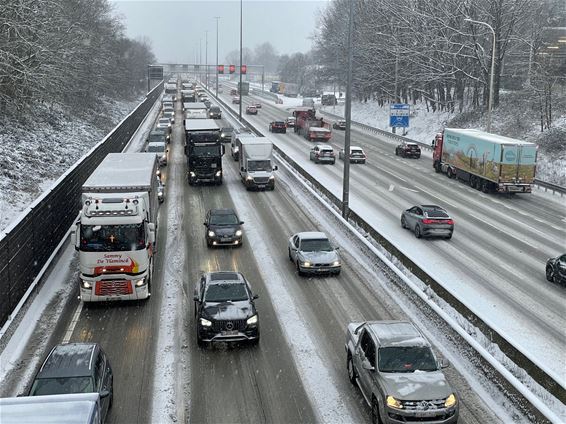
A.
x: 516, y: 117
x: 40, y: 145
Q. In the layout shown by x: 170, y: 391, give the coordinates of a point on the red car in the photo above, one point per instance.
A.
x: 277, y: 126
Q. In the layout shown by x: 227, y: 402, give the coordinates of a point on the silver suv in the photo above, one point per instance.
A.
x: 398, y: 374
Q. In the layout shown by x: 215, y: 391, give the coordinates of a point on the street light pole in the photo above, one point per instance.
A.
x: 206, y: 58
x: 348, y: 117
x: 240, y: 86
x: 490, y: 101
x: 217, y: 74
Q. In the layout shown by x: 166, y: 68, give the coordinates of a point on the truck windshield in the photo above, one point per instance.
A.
x: 61, y: 386
x: 157, y: 138
x: 259, y: 165
x: 406, y: 359
x: 203, y: 137
x: 112, y: 238
x: 205, y: 151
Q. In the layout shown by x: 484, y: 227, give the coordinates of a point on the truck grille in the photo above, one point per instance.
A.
x: 229, y: 325
x: 113, y: 288
x: 261, y: 180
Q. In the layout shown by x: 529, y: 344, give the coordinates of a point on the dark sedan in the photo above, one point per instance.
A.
x: 408, y: 150
x: 225, y: 309
x: 428, y: 220
x: 339, y: 125
x: 556, y: 269
x: 278, y: 126
x: 223, y: 228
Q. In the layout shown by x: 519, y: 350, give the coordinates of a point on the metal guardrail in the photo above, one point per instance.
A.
x: 555, y: 188
x: 515, y: 355
x: 28, y: 243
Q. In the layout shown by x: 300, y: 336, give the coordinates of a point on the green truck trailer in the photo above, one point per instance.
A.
x: 488, y: 162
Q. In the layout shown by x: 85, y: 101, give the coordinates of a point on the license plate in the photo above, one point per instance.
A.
x: 230, y: 333
x: 261, y: 186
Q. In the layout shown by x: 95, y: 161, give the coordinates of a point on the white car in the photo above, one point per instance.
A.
x: 312, y: 253
x: 357, y: 155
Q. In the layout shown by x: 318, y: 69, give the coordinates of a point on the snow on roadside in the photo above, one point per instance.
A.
x: 41, y: 147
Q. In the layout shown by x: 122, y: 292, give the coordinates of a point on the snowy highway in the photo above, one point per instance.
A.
x: 495, y: 261
x: 298, y: 371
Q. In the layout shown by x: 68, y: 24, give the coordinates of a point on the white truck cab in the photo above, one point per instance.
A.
x: 256, y: 162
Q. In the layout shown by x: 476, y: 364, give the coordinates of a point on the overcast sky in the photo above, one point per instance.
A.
x: 175, y: 28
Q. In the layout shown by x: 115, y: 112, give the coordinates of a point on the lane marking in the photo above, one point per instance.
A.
x: 391, y: 187
x: 73, y: 323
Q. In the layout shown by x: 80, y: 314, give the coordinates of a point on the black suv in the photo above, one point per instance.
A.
x: 225, y: 309
x: 76, y: 368
x: 223, y: 227
x: 214, y: 112
x: 408, y: 149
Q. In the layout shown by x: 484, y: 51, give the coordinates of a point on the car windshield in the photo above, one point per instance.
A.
x: 156, y: 149
x: 227, y: 130
x: 224, y: 219
x: 154, y: 138
x: 259, y: 165
x: 225, y: 292
x: 316, y: 245
x: 435, y: 213
x: 164, y: 121
x: 112, y: 238
x: 62, y: 385
x: 406, y: 359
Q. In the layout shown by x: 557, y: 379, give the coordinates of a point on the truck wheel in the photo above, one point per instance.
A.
x: 352, y: 375
x: 436, y: 167
x: 418, y: 233
x: 396, y: 152
x: 200, y: 342
x: 549, y: 274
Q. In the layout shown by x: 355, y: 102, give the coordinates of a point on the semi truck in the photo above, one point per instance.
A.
x: 487, y: 162
x: 196, y: 110
x: 204, y: 151
x: 309, y: 126
x: 244, y: 88
x: 116, y: 231
x: 256, y: 162
x: 289, y: 89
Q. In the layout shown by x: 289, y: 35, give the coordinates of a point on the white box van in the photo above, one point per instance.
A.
x: 76, y: 408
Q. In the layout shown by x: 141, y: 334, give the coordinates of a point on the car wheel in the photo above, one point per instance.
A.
x: 289, y: 252
x: 403, y: 222
x: 337, y: 273
x: 418, y: 233
x: 351, y: 370
x: 448, y: 237
x: 375, y: 418
x: 549, y: 274
x: 334, y: 161
x: 396, y: 152
x: 208, y: 244
x: 255, y: 341
x: 200, y: 342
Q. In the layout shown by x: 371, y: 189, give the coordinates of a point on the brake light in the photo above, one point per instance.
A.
x: 429, y: 221
x: 449, y: 221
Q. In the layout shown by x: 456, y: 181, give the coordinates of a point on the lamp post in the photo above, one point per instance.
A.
x: 217, y: 19
x: 490, y: 102
x: 206, y: 58
x: 348, y: 118
x: 240, y: 85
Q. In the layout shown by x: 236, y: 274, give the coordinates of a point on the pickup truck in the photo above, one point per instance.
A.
x: 398, y: 374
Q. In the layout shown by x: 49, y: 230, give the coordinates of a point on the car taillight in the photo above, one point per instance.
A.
x: 449, y: 221
x: 428, y: 221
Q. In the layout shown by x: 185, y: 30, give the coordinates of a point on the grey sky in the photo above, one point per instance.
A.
x: 176, y: 27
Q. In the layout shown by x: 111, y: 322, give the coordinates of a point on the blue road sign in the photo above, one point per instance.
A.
x: 399, y: 115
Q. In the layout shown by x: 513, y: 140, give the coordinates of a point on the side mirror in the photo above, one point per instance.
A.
x: 204, y: 223
x: 151, y: 235
x: 196, y: 299
x: 256, y: 296
x: 241, y: 222
x: 104, y: 393
x: 242, y: 169
x: 367, y: 366
x: 275, y: 168
x: 337, y: 248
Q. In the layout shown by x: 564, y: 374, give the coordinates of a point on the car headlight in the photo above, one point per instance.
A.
x: 86, y: 284
x: 252, y: 320
x: 205, y: 322
x: 306, y: 263
x: 192, y: 174
x: 158, y: 172
x: 211, y: 234
x: 271, y: 177
x: 450, y: 401
x: 249, y: 178
x: 238, y: 233
x: 393, y: 403
x: 218, y: 173
x: 336, y: 263
x: 139, y: 283
x: 160, y: 193
x: 222, y: 135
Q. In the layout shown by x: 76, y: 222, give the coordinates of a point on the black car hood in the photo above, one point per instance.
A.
x: 224, y: 230
x: 223, y: 311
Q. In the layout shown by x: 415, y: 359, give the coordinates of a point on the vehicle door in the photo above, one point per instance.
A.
x: 410, y: 217
x: 294, y: 247
x: 365, y: 362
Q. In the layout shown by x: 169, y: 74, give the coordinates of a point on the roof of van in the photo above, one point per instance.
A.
x: 73, y: 408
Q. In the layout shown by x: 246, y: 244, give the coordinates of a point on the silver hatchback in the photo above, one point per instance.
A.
x: 428, y: 221
x: 312, y: 253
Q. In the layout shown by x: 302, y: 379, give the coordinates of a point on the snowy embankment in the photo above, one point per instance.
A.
x: 41, y: 146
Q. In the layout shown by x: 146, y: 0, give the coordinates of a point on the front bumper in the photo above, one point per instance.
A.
x: 443, y: 416
x: 210, y: 335
x: 197, y: 177
x: 320, y: 269
x: 260, y: 185
x: 103, y: 290
x: 224, y: 241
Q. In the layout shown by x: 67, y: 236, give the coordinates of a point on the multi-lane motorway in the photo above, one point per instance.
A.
x: 298, y: 373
